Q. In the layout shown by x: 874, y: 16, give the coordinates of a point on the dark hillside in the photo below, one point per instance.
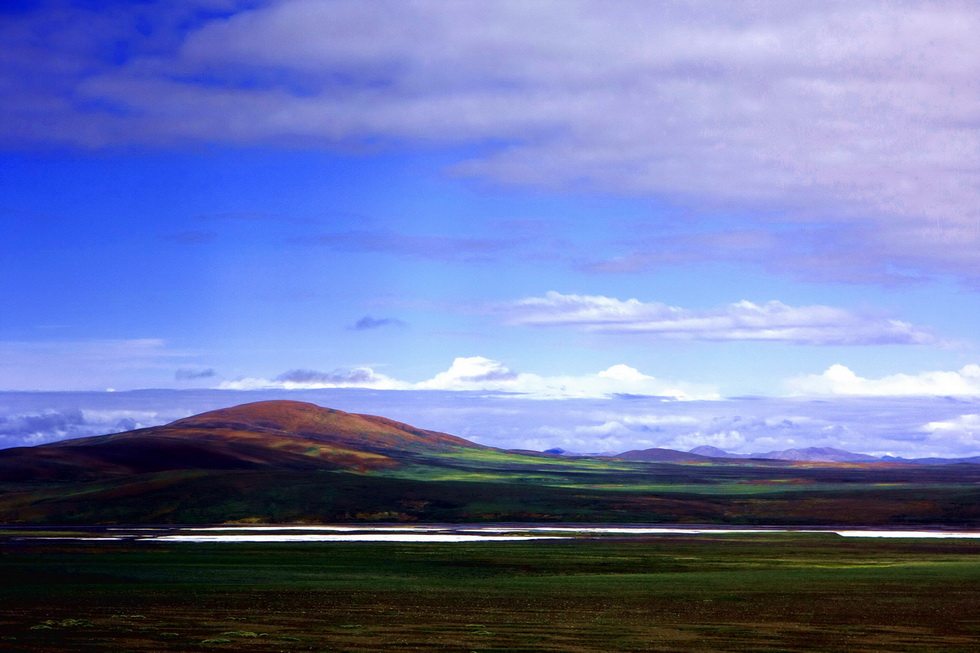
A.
x: 286, y: 461
x: 287, y: 435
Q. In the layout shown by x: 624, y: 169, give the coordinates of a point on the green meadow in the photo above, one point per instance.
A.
x: 758, y: 592
x: 470, y: 485
x: 292, y: 462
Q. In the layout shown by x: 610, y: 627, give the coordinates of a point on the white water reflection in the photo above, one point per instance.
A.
x: 363, y: 537
x: 312, y: 528
x: 78, y: 538
x: 626, y: 530
x: 436, y: 533
x: 915, y: 534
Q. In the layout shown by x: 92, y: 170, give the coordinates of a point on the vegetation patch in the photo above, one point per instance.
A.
x: 767, y: 591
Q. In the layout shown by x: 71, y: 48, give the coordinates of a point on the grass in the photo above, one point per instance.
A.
x: 476, y: 456
x: 743, y: 488
x: 652, y: 494
x: 765, y: 592
x: 489, y: 485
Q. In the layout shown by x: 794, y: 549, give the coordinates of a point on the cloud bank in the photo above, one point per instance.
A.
x: 962, y: 431
x: 300, y: 379
x: 62, y: 419
x: 772, y: 321
x: 840, y: 380
x: 904, y: 426
x: 476, y: 373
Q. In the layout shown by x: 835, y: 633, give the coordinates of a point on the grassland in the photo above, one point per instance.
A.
x: 468, y: 485
x: 761, y: 592
x: 285, y: 461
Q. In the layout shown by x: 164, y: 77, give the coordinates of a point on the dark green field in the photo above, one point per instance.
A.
x: 502, y: 486
x: 293, y: 462
x: 760, y: 592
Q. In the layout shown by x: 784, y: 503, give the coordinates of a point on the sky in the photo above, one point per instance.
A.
x: 594, y: 225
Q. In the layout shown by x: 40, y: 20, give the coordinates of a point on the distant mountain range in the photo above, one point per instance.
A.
x: 807, y: 454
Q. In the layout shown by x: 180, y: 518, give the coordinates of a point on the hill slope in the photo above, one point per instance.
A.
x: 289, y: 462
x: 285, y: 435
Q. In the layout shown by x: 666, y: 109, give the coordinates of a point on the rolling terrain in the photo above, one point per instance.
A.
x: 757, y: 592
x: 282, y: 435
x: 286, y: 461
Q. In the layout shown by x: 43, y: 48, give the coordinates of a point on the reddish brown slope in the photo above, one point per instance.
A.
x: 312, y: 422
x: 269, y: 434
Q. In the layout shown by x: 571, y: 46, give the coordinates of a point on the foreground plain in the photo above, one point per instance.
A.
x: 757, y: 592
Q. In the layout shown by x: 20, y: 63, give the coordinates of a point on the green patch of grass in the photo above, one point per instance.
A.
x: 590, y: 594
x: 496, y: 456
x: 736, y: 489
x: 420, y: 473
x: 489, y: 485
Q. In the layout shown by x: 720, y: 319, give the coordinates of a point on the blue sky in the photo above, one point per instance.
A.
x: 559, y: 201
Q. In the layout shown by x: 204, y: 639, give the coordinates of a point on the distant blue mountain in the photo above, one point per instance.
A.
x: 828, y: 455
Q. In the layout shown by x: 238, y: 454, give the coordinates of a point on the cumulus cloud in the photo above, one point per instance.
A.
x: 615, y: 431
x: 476, y: 373
x: 962, y: 432
x: 772, y: 321
x: 19, y: 428
x: 759, y: 432
x: 840, y: 380
x: 857, y: 113
x: 726, y: 440
x: 41, y: 427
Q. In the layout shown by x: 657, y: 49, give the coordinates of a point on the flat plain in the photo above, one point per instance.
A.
x: 734, y: 592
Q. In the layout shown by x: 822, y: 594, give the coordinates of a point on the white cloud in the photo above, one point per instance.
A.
x: 647, y: 421
x: 20, y: 428
x: 832, y: 112
x: 483, y: 374
x: 744, y: 320
x: 473, y: 373
x: 962, y: 432
x: 478, y: 373
x: 727, y: 440
x: 840, y: 380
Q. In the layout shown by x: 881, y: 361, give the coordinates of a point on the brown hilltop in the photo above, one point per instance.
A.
x: 312, y: 422
x: 288, y: 435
